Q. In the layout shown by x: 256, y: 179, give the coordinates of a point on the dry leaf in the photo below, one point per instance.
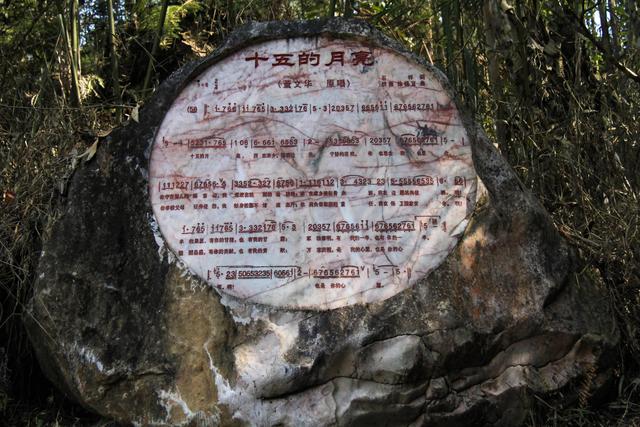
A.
x: 90, y: 152
x: 8, y: 197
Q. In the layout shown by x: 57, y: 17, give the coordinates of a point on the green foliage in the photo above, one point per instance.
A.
x: 150, y: 15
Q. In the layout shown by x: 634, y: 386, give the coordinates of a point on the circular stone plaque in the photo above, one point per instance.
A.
x: 312, y: 173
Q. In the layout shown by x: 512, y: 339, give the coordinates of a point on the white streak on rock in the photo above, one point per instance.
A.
x: 171, y: 399
x: 87, y: 355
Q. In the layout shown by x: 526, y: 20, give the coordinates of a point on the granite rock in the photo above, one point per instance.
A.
x: 123, y: 328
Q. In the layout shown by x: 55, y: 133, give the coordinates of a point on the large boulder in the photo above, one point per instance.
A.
x: 122, y: 326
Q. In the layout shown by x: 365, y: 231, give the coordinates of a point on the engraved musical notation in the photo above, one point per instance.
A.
x: 280, y: 183
x: 312, y: 174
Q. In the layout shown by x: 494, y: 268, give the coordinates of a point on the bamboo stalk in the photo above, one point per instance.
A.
x: 471, y: 85
x: 633, y: 16
x: 115, y: 78
x: 613, y: 23
x: 74, y: 68
x: 438, y: 55
x: 75, y: 33
x: 448, y: 39
x: 156, y: 44
x: 492, y: 20
x: 604, y: 23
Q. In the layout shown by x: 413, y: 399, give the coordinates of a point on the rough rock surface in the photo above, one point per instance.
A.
x: 121, y: 327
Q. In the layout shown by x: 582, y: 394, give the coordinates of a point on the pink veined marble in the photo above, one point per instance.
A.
x: 312, y: 173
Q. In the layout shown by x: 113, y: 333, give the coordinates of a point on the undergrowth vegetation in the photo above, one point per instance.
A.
x: 555, y: 83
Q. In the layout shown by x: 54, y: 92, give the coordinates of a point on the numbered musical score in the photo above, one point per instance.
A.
x: 312, y: 173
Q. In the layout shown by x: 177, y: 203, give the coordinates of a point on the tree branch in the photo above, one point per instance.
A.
x: 582, y: 28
